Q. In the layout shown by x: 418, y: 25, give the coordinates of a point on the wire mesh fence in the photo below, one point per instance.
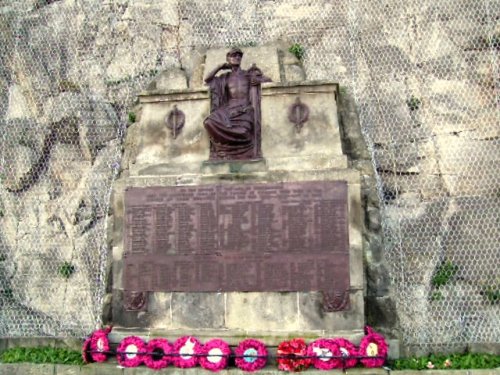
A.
x: 425, y: 78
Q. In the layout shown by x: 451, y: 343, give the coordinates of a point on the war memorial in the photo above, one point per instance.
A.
x: 280, y: 188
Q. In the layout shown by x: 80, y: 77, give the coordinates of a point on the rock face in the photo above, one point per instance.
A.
x: 424, y: 77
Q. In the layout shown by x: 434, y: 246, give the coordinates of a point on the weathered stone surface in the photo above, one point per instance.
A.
x: 198, y: 310
x: 313, y: 317
x: 128, y: 318
x: 66, y: 370
x: 294, y: 73
x: 263, y: 311
x: 172, y: 79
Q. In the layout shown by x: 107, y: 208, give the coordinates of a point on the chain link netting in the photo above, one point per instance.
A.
x: 425, y: 78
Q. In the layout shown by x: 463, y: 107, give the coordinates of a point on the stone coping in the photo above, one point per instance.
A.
x: 110, y: 368
x: 271, y: 88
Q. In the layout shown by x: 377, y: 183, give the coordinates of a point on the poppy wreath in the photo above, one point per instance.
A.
x: 251, y: 355
x: 159, y: 354
x: 87, y: 358
x: 186, y: 349
x: 347, y: 349
x: 373, y: 345
x: 326, y: 354
x: 99, y: 345
x: 130, y: 352
x: 291, y: 355
x: 214, y: 355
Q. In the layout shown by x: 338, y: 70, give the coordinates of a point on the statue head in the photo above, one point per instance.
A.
x: 234, y: 51
x: 234, y: 56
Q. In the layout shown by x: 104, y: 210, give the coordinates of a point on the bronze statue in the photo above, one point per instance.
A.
x: 234, y: 121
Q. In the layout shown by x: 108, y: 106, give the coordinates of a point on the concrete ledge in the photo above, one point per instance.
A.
x: 111, y: 368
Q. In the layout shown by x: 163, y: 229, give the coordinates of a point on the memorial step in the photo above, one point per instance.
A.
x: 232, y: 337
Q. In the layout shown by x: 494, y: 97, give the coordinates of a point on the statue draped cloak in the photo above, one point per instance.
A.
x: 234, y: 129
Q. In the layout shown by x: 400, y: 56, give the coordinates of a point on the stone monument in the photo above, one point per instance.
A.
x: 236, y: 213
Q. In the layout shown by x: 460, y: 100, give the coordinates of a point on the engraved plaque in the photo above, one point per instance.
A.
x: 251, y: 237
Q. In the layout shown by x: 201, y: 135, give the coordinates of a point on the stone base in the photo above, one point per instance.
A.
x: 235, y: 166
x: 232, y: 337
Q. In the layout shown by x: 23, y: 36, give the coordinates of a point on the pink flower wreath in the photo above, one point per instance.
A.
x: 130, y: 352
x: 186, y: 349
x: 159, y: 354
x: 251, y: 355
x: 214, y: 355
x: 99, y: 345
x: 347, y: 349
x: 87, y: 358
x: 291, y: 355
x: 373, y: 345
x: 326, y: 352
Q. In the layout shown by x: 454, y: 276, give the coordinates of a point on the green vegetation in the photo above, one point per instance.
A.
x: 491, y: 293
x: 42, y: 355
x: 66, y: 270
x: 297, y: 50
x: 6, y: 294
x: 68, y: 86
x: 437, y: 296
x: 451, y: 362
x: 413, y: 103
x: 444, y: 274
x: 132, y: 117
x: 492, y: 42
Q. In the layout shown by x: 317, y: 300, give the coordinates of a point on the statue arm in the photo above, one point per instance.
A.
x: 210, y: 76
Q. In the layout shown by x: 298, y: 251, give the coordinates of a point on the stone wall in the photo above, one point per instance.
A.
x: 425, y: 80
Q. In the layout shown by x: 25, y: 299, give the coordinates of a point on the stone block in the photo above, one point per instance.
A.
x: 28, y: 369
x: 157, y: 145
x: 101, y: 369
x: 294, y: 73
x: 356, y: 267
x: 198, y: 310
x: 319, y: 134
x: 490, y: 348
x: 66, y: 370
x: 262, y: 311
x: 157, y: 313
x: 117, y: 266
x: 355, y: 215
x: 266, y: 58
x: 172, y: 79
x: 313, y: 317
x: 366, y: 371
x: 8, y: 368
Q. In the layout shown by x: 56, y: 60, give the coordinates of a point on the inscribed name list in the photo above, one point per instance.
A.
x: 246, y: 237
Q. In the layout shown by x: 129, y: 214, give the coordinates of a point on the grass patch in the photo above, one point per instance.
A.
x: 444, y: 274
x: 42, y: 355
x: 447, y: 362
